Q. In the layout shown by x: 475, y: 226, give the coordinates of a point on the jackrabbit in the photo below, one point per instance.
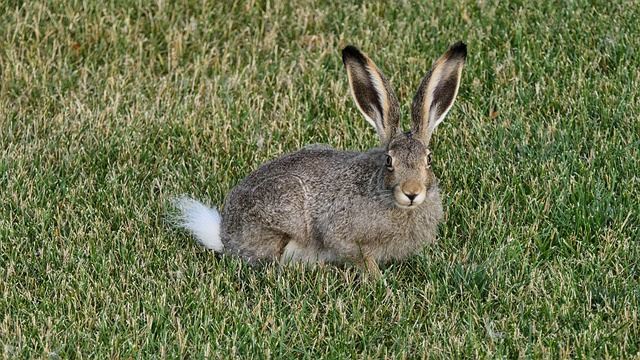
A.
x: 320, y: 204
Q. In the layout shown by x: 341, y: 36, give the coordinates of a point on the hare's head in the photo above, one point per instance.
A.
x: 407, y: 162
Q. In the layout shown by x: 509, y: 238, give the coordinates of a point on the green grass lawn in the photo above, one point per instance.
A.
x: 109, y: 110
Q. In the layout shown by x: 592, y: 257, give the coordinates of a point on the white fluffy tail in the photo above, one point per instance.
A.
x: 200, y: 220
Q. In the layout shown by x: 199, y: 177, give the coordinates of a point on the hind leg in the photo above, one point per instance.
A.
x: 255, y: 244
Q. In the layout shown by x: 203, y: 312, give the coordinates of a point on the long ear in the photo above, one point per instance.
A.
x: 437, y: 92
x: 372, y: 93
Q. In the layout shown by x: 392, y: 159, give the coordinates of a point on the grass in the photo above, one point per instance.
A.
x: 108, y: 110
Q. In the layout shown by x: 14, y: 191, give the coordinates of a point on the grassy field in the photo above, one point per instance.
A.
x: 109, y: 110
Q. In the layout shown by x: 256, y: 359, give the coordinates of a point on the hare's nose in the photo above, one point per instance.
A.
x: 411, y: 196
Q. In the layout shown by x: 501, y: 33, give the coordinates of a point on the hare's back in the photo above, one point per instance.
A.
x: 309, y: 164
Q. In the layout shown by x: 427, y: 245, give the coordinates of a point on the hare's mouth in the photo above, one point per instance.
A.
x: 408, y: 200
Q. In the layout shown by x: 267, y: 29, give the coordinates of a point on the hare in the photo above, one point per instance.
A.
x: 320, y: 204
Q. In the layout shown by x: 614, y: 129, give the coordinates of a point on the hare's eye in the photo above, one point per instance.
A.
x: 389, y: 162
x: 428, y: 159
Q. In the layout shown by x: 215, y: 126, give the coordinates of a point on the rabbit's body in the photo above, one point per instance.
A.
x: 325, y: 205
x: 321, y: 204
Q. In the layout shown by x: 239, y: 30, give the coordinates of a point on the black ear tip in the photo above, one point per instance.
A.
x: 352, y: 52
x: 350, y: 49
x: 458, y: 50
